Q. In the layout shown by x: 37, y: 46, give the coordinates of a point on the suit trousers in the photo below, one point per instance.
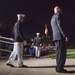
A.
x: 60, y: 54
x: 37, y: 51
x: 17, y: 51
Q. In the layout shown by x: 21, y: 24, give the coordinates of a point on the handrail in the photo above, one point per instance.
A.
x: 1, y: 37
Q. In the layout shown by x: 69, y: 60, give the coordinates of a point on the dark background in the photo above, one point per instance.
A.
x: 38, y: 12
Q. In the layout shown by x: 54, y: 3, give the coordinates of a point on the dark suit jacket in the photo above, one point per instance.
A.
x: 37, y: 41
x: 56, y: 23
x: 18, y: 32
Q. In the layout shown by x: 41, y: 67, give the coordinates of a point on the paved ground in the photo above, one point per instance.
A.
x: 42, y: 66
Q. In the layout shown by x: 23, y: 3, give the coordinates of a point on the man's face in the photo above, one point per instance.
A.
x: 21, y: 19
x: 38, y: 35
x: 59, y: 10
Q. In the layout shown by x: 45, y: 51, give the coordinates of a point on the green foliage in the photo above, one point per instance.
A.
x: 70, y: 53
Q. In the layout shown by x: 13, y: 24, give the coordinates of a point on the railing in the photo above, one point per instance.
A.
x: 5, y: 41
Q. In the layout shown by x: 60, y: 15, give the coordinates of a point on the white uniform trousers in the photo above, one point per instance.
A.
x: 17, y: 51
x: 37, y: 51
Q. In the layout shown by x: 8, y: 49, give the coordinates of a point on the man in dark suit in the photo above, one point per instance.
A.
x: 18, y: 43
x: 59, y: 39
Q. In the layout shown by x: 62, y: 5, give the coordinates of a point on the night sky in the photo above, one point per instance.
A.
x: 38, y: 12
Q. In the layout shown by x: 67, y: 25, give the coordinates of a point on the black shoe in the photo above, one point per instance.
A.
x: 23, y: 66
x: 10, y: 65
x: 62, y: 71
x: 37, y: 57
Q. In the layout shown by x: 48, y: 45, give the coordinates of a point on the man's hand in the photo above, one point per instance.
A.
x: 24, y: 42
x: 66, y: 39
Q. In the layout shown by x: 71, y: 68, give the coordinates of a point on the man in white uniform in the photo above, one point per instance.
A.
x: 18, y: 43
x: 37, y: 45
